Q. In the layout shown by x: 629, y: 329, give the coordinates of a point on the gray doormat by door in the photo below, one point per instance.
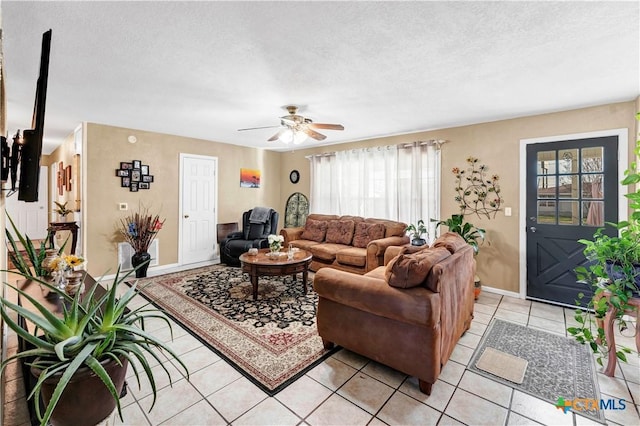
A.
x: 558, y: 366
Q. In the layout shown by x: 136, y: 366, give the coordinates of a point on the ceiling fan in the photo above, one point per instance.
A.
x: 296, y: 128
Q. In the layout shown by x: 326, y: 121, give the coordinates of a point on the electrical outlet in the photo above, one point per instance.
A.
x: 507, y: 211
x: 123, y: 206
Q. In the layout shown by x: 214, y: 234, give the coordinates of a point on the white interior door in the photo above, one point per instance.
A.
x: 198, y: 208
x: 31, y: 218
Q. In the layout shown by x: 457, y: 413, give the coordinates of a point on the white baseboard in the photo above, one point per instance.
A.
x: 169, y: 268
x: 501, y: 292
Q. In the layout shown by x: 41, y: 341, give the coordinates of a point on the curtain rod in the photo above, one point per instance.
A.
x: 437, y: 142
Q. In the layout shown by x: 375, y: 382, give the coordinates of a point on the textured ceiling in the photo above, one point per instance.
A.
x: 206, y: 69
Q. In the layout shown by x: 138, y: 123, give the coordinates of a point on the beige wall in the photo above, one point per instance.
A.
x: 107, y: 146
x: 497, y: 145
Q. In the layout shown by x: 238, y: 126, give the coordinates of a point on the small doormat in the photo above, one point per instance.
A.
x: 503, y: 365
x: 272, y: 341
x: 558, y: 367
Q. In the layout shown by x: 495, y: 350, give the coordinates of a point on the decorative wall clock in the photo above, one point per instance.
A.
x: 294, y: 176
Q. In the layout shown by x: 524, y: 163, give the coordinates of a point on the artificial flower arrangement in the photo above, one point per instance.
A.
x: 65, y: 263
x: 275, y: 242
x: 140, y: 229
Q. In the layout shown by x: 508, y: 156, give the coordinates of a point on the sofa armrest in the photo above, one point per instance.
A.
x: 291, y: 234
x: 377, y: 248
x: 417, y: 305
x: 237, y: 235
x: 452, y: 279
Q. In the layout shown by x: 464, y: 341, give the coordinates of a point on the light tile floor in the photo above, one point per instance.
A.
x: 347, y: 389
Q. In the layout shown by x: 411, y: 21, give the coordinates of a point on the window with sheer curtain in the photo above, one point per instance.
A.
x: 399, y: 182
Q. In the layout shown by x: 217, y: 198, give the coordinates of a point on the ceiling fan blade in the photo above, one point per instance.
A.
x: 256, y: 128
x: 326, y: 126
x: 315, y: 135
x: 276, y: 136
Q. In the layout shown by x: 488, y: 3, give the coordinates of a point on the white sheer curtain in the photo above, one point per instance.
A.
x: 394, y: 182
x: 419, y: 183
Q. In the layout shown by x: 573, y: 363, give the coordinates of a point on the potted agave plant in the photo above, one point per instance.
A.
x: 80, y: 359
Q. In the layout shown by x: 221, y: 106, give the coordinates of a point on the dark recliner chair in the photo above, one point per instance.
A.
x: 254, y: 234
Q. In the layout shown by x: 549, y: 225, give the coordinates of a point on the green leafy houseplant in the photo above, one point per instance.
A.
x: 61, y: 209
x: 614, y: 274
x: 92, y: 331
x: 416, y: 231
x: 472, y: 235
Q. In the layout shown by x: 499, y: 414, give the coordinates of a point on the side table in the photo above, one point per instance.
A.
x: 609, y: 335
x: 63, y: 226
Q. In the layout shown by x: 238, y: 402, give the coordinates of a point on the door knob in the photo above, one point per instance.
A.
x: 533, y: 229
x: 186, y: 216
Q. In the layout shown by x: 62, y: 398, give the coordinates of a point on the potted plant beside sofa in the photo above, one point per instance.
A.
x: 80, y: 360
x: 473, y: 235
x: 416, y: 231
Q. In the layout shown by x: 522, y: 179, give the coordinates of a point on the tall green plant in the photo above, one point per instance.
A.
x: 473, y: 235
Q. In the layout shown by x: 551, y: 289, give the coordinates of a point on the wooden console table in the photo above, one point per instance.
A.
x: 607, y: 325
x: 63, y: 226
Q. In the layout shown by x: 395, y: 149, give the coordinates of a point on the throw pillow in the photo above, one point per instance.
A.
x: 411, y: 270
x: 340, y: 231
x: 452, y: 241
x: 314, y: 230
x: 367, y: 232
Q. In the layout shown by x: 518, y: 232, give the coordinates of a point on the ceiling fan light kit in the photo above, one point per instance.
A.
x: 296, y: 128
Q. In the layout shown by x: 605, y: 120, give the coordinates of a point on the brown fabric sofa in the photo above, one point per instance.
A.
x: 390, y: 316
x: 348, y: 243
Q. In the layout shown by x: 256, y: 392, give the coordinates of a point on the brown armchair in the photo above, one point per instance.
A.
x: 413, y: 330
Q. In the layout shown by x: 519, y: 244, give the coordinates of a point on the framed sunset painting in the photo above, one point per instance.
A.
x: 249, y: 178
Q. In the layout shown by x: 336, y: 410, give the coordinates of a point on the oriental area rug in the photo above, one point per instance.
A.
x: 558, y: 368
x: 272, y: 341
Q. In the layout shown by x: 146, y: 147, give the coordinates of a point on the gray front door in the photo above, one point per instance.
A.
x: 572, y: 190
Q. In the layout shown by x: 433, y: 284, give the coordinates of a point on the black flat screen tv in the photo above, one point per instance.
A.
x: 32, y: 138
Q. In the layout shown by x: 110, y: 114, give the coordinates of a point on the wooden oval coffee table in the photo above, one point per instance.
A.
x: 262, y: 264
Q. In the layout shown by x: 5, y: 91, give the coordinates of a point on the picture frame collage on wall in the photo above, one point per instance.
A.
x: 134, y: 175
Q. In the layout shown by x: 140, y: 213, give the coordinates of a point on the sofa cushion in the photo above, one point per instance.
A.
x: 411, y: 270
x: 391, y: 227
x: 377, y: 273
x: 314, y: 230
x: 326, y: 251
x: 340, y: 231
x: 304, y: 244
x: 367, y: 232
x: 355, y: 256
x: 452, y: 241
x: 256, y: 231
